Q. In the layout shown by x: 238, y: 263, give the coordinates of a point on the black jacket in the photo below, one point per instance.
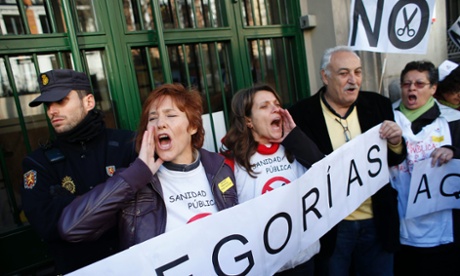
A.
x: 60, y: 172
x: 372, y: 109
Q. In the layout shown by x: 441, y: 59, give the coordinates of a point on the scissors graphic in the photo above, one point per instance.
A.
x: 410, y: 32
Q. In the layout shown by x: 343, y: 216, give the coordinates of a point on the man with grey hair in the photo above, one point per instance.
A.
x: 364, y: 241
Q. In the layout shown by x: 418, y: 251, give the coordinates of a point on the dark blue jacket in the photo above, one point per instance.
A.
x: 56, y: 174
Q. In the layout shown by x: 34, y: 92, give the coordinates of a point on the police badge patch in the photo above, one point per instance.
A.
x: 110, y: 170
x: 45, y: 79
x: 67, y: 183
x: 30, y: 179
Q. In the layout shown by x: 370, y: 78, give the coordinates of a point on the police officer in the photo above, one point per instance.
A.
x: 84, y: 154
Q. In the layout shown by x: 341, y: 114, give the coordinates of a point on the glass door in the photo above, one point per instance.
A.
x: 218, y: 47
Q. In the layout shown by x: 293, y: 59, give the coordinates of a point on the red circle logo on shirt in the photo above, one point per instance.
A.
x: 274, y: 183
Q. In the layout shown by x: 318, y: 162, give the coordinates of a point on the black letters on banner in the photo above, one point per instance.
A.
x: 422, y: 28
x: 423, y: 181
x: 441, y: 186
x: 312, y: 208
x: 329, y: 188
x: 247, y: 255
x: 360, y: 11
x: 288, y: 219
x: 357, y: 177
x: 417, y: 33
x: 160, y: 271
x: 374, y: 160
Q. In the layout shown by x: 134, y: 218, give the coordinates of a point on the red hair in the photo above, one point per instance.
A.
x: 187, y: 100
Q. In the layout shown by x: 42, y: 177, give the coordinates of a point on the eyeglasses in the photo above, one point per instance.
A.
x: 418, y: 84
x: 346, y: 131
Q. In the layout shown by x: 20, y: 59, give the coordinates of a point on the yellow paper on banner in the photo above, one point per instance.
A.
x: 437, y: 139
x: 225, y: 184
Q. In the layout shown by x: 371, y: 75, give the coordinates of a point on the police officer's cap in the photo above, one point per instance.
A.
x: 56, y: 84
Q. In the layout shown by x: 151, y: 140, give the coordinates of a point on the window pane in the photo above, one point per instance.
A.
x: 100, y: 86
x: 86, y: 18
x: 24, y: 73
x: 148, y: 70
x: 138, y: 15
x: 35, y: 10
x: 176, y: 14
x: 13, y: 24
x: 48, y: 62
x: 272, y: 62
x: 5, y: 87
x: 37, y: 15
x: 260, y: 54
x: 12, y: 21
x: 205, y: 67
x: 46, y: 28
x: 265, y: 12
x: 191, y: 14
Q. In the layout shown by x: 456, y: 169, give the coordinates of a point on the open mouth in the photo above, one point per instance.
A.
x: 276, y: 123
x: 164, y: 141
x: 412, y: 99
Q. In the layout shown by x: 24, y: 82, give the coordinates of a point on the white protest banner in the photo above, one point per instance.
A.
x: 259, y: 236
x: 433, y: 188
x: 390, y: 26
x: 454, y: 32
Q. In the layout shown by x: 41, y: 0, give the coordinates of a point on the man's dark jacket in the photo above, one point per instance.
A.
x: 372, y: 109
x: 85, y: 164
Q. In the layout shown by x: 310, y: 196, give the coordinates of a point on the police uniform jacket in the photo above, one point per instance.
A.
x: 372, y: 109
x: 135, y: 196
x: 57, y: 174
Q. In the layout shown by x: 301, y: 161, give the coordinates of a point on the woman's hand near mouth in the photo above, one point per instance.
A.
x: 147, y: 151
x: 288, y: 125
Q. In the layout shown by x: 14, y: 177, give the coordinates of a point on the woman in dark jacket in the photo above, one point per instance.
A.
x: 172, y: 182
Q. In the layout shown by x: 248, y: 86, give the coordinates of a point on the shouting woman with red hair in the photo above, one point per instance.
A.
x: 171, y: 183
